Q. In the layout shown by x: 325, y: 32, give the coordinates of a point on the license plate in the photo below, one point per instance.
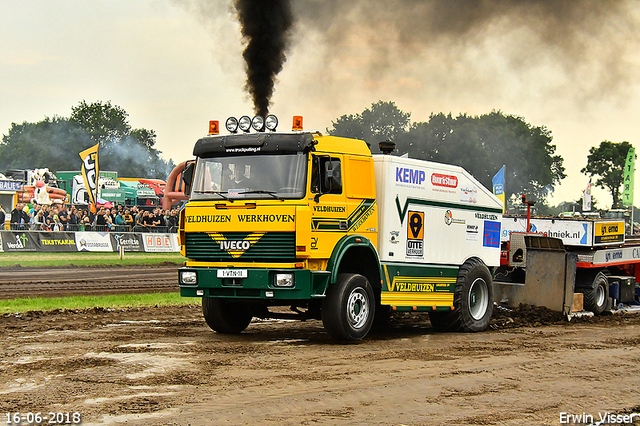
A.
x: 232, y: 273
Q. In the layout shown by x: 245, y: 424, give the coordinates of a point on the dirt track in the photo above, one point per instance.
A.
x: 81, y: 280
x: 163, y: 366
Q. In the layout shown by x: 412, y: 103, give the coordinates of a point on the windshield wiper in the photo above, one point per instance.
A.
x: 261, y: 191
x: 214, y: 192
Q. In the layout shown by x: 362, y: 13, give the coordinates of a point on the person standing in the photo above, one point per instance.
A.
x: 72, y: 220
x: 19, y: 217
x: 3, y: 217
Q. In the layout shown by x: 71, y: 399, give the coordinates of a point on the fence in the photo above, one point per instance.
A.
x: 94, y: 228
x: 68, y: 241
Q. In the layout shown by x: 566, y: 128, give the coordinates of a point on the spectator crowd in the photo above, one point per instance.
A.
x: 60, y: 217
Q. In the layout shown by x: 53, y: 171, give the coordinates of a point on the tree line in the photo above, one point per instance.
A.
x: 482, y: 145
x: 55, y: 143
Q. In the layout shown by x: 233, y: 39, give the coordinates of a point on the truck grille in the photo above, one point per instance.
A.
x: 270, y: 247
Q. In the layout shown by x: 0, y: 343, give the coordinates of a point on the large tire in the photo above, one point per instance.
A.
x: 472, y: 300
x: 596, y: 295
x: 225, y: 317
x: 348, y: 309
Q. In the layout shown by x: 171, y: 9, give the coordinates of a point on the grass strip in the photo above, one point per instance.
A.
x: 8, y: 259
x: 85, y: 302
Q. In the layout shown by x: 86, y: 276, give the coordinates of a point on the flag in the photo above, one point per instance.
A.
x: 586, y: 198
x: 629, y: 168
x: 90, y: 173
x: 498, y: 187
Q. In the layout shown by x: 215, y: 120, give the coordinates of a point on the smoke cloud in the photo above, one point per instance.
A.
x: 265, y: 27
x: 587, y: 42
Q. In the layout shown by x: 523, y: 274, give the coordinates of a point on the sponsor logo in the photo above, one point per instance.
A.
x: 447, y: 181
x: 236, y: 248
x: 412, y: 176
x: 228, y: 245
x: 491, y: 234
x: 249, y: 149
x: 398, y: 285
x: 21, y: 242
x: 58, y: 242
x: 126, y: 241
x: 329, y: 209
x: 209, y: 218
x: 248, y: 218
x: 415, y: 234
x: 449, y: 219
x: 469, y: 194
x: 486, y: 216
x: 94, y: 244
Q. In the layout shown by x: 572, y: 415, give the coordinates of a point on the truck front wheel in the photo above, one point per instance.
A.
x: 472, y: 300
x: 348, y: 308
x: 225, y: 317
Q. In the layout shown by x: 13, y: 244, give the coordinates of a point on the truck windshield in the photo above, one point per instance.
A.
x: 250, y: 177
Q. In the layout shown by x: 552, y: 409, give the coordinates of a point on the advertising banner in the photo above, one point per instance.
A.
x: 161, y: 242
x: 38, y: 241
x: 129, y: 241
x: 498, y: 187
x: 55, y: 241
x: 628, y: 178
x: 18, y: 241
x: 93, y: 241
x: 586, y: 198
x: 90, y: 169
x: 572, y: 232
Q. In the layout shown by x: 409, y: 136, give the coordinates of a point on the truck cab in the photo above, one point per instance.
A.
x: 267, y: 214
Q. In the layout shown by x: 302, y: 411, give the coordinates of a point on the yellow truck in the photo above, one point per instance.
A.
x: 318, y: 224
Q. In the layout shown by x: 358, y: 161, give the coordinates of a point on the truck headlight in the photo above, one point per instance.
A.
x: 283, y: 279
x: 188, y: 277
x: 271, y: 122
x: 258, y: 123
x: 231, y: 124
x: 244, y: 123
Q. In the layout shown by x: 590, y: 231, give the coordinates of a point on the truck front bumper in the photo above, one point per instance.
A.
x: 253, y: 283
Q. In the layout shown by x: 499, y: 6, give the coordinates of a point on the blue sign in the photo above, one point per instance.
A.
x: 10, y: 185
x: 491, y: 234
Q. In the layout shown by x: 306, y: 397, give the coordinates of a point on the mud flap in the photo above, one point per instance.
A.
x: 549, y: 281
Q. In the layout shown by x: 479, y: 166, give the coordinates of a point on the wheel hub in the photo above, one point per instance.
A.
x: 358, y: 308
x: 478, y: 299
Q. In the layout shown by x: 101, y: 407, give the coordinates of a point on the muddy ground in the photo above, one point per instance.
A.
x: 163, y: 366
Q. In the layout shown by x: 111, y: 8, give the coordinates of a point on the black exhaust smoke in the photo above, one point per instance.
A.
x: 265, y: 27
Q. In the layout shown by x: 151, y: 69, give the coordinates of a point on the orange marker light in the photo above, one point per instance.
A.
x: 297, y: 123
x: 214, y: 127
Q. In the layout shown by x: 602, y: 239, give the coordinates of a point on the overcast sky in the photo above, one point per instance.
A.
x: 173, y: 65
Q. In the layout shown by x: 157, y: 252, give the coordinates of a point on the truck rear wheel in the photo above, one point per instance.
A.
x: 225, y: 317
x: 597, y: 295
x: 349, y: 308
x: 472, y: 300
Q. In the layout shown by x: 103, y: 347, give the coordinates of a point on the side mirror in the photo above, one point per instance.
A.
x: 187, y: 177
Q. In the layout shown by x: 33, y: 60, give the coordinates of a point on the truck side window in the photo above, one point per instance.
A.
x: 326, y: 175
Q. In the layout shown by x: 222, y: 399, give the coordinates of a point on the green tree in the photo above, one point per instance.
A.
x: 383, y: 121
x: 55, y: 143
x: 606, y: 164
x: 129, y: 152
x: 103, y: 121
x: 52, y: 143
x: 480, y: 144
